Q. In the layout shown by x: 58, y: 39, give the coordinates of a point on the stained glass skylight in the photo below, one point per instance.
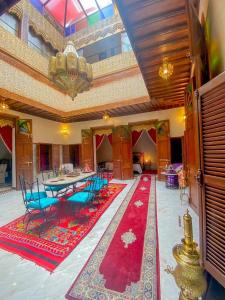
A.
x: 71, y: 12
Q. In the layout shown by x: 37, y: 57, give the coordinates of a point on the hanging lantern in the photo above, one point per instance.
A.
x: 166, y: 70
x: 70, y: 72
x: 106, y: 116
x: 3, y: 106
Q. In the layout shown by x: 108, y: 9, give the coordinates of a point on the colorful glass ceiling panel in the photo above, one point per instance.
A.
x: 67, y: 12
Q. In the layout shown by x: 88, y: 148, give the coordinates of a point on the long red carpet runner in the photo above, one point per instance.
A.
x: 124, y: 264
x: 61, y: 237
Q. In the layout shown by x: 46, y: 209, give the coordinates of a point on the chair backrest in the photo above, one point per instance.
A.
x: 68, y: 168
x: 27, y: 188
x: 49, y: 174
x: 94, y: 183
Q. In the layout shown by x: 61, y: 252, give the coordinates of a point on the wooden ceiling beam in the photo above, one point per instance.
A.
x: 171, y: 82
x: 168, y: 95
x: 178, y: 65
x: 161, y: 25
x: 176, y: 56
x: 144, y: 10
x: 164, y: 49
x: 158, y: 29
x: 160, y: 39
x: 168, y: 89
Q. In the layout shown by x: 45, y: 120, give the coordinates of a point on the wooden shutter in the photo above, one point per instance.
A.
x: 122, y: 153
x: 212, y: 138
x: 163, y: 147
x: 87, y: 148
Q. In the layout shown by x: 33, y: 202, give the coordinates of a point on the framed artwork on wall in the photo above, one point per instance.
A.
x: 24, y: 126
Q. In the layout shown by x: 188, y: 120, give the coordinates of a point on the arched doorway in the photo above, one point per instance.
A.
x: 154, y: 151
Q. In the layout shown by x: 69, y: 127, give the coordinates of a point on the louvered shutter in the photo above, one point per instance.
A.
x: 212, y: 138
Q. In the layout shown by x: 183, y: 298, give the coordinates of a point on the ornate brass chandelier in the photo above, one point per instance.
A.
x: 166, y: 70
x: 70, y: 72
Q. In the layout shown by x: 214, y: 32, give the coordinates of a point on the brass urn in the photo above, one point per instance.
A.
x: 188, y: 273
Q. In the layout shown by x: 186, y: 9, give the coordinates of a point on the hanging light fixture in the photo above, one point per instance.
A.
x: 106, y: 116
x: 166, y: 70
x: 70, y: 72
x: 3, y: 106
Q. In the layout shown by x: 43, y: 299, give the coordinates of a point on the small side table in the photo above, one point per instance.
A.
x: 172, y: 181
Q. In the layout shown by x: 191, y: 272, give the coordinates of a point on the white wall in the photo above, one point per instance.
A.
x: 175, y: 115
x: 44, y: 131
x: 216, y: 11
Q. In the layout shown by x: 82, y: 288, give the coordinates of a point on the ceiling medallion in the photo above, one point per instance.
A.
x: 70, y: 72
x: 106, y: 116
x: 166, y: 70
x: 3, y: 106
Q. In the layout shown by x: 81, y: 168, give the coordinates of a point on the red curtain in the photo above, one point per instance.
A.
x: 135, y: 137
x: 152, y: 134
x: 6, y: 135
x: 110, y: 138
x: 99, y: 140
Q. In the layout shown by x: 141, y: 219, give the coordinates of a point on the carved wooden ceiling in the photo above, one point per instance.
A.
x: 123, y: 108
x: 158, y: 29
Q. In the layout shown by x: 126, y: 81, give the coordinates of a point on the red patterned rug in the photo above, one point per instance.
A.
x: 61, y: 236
x: 124, y: 264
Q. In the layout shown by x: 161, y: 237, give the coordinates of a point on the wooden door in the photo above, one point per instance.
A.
x: 211, y: 104
x: 122, y: 153
x: 24, y: 151
x: 66, y: 154
x: 55, y: 156
x: 163, y: 147
x: 87, y: 148
x: 77, y: 154
x: 192, y: 149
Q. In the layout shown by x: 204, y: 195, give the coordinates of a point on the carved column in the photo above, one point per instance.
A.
x: 24, y: 27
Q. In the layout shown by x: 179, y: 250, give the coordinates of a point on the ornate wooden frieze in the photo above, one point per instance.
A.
x: 86, y: 133
x: 5, y: 122
x: 140, y: 127
x: 44, y: 28
x: 39, y: 23
x: 97, y: 32
x: 17, y: 10
x: 102, y: 131
x: 122, y: 131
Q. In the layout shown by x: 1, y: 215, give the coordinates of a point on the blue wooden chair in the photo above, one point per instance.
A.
x: 95, y: 186
x: 37, y: 202
x: 99, y: 177
x: 85, y: 196
x: 26, y: 193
